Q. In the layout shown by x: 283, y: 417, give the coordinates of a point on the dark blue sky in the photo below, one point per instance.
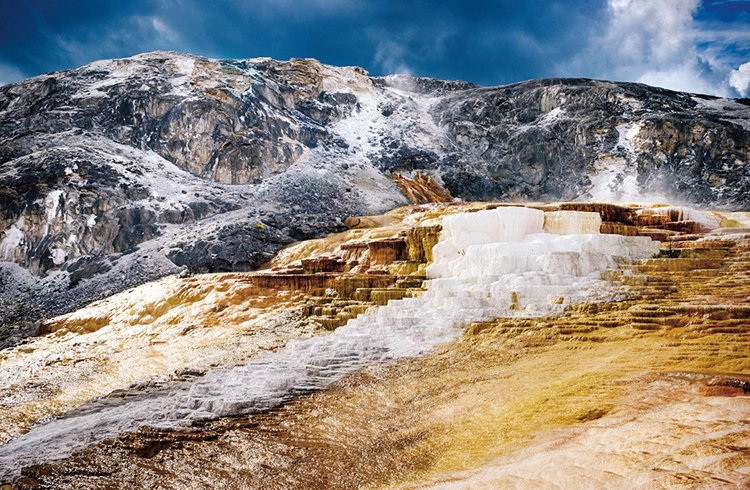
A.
x: 681, y: 44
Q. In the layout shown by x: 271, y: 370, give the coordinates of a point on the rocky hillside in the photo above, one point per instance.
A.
x: 125, y: 170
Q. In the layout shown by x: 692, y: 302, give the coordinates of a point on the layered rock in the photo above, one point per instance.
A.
x: 126, y: 170
x: 573, y: 138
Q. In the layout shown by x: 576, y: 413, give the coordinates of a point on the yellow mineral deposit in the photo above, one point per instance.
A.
x: 147, y: 334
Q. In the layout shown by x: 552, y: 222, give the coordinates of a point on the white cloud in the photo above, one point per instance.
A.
x: 141, y: 33
x: 164, y: 32
x: 657, y: 42
x: 740, y: 79
x: 9, y: 74
x: 658, y: 32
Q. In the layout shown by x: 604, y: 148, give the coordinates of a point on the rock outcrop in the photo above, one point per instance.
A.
x: 126, y: 170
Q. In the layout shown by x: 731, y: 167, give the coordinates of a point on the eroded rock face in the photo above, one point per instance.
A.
x: 125, y: 170
x: 68, y: 202
x: 575, y: 138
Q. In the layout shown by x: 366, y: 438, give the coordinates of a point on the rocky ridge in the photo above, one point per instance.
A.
x: 126, y: 170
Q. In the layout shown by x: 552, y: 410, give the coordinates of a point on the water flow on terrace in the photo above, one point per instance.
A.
x: 504, y: 262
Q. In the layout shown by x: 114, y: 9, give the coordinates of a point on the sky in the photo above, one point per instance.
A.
x: 693, y: 45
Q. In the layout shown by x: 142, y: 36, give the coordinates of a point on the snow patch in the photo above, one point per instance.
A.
x: 615, y: 178
x: 184, y: 66
x: 411, y: 121
x: 626, y: 134
x: 58, y: 255
x: 118, y: 72
x: 727, y: 109
x: 13, y: 237
x: 720, y: 104
x: 552, y: 116
x: 52, y: 204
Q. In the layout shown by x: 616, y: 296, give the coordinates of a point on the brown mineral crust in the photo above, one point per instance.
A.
x: 420, y: 240
x: 422, y: 189
x: 615, y: 228
x: 609, y: 212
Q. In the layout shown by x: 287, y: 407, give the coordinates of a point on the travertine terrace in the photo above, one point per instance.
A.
x: 640, y: 364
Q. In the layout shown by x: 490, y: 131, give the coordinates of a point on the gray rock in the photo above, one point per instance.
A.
x: 123, y: 171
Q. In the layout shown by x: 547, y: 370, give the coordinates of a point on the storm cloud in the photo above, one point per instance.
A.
x: 681, y: 44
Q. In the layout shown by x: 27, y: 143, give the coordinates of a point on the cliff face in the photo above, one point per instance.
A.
x: 574, y: 139
x: 125, y: 170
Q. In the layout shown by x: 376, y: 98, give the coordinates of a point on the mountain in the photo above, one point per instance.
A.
x: 126, y: 170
